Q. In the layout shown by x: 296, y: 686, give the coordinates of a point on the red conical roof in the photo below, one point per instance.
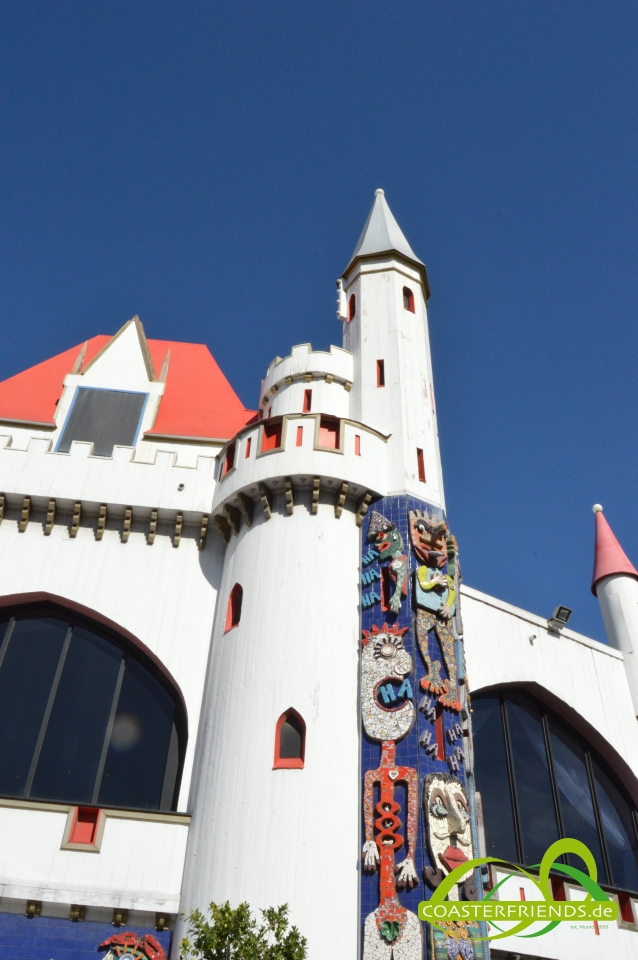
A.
x: 609, y: 556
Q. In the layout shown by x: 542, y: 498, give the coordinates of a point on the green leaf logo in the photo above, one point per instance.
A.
x: 390, y: 930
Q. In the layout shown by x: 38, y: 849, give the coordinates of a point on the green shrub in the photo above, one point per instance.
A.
x: 235, y: 935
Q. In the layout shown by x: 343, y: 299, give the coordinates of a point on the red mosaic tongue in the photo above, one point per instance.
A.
x: 453, y: 857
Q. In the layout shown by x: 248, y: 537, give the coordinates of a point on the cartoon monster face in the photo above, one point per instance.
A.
x: 386, y: 692
x: 429, y: 538
x: 387, y: 539
x: 447, y: 814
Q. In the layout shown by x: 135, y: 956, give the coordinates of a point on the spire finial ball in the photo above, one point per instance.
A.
x: 377, y: 192
x: 597, y: 508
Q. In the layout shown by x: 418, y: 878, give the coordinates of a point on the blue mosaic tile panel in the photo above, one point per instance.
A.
x: 52, y: 938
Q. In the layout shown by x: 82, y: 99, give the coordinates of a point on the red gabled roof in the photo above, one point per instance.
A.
x: 609, y: 556
x: 198, y: 400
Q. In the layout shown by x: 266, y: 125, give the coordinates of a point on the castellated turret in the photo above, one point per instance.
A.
x: 279, y: 741
x: 615, y: 583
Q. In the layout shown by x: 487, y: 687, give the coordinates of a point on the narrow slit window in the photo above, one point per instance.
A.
x: 84, y: 826
x: 558, y: 888
x: 381, y: 373
x: 408, y: 299
x: 626, y: 908
x: 357, y: 445
x: 271, y: 436
x: 386, y: 588
x: 352, y: 307
x: 438, y: 727
x: 233, y: 613
x: 420, y: 464
x: 329, y: 433
x: 290, y: 741
x: 307, y: 401
x: 229, y: 460
x: 299, y: 436
x: 249, y: 444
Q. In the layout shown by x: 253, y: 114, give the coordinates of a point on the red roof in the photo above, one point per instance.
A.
x: 198, y: 400
x: 609, y: 556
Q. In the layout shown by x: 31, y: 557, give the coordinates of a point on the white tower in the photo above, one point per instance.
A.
x: 335, y: 431
x: 615, y: 583
x: 384, y: 293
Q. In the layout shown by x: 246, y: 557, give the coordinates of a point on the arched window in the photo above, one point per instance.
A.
x: 233, y: 613
x: 408, y: 299
x: 290, y: 741
x: 539, y: 780
x: 86, y: 716
x: 352, y: 307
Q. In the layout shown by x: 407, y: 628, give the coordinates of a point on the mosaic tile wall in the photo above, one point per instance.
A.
x: 408, y: 751
x: 51, y: 938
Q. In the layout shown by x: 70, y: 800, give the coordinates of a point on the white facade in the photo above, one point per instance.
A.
x: 168, y: 526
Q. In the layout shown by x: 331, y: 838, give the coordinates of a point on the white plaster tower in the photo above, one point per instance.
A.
x: 336, y: 430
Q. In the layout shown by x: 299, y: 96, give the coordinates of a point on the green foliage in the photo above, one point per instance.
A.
x: 235, y: 935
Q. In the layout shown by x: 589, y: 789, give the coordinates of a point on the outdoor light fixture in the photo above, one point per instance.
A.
x: 559, y: 618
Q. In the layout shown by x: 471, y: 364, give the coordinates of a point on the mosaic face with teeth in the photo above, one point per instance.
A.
x: 447, y: 814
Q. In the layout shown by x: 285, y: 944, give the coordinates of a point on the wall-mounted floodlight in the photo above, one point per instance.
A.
x: 559, y: 618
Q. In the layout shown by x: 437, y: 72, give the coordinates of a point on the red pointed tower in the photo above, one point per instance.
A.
x: 615, y: 583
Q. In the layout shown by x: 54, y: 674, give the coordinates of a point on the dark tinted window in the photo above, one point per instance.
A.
x: 84, y: 720
x: 290, y: 739
x: 104, y: 418
x: 560, y: 788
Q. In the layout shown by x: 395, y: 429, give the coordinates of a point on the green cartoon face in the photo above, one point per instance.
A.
x: 389, y: 543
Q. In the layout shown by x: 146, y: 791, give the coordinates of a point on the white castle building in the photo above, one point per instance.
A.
x: 237, y: 661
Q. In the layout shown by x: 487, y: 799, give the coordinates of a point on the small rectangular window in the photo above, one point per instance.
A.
x: 84, y: 828
x: 421, y: 464
x: 249, y: 444
x: 357, y: 445
x: 626, y: 908
x: 558, y: 888
x: 380, y: 373
x: 104, y: 418
x: 438, y: 726
x: 271, y: 436
x: 386, y: 588
x: 329, y: 433
x: 299, y: 436
x: 229, y: 460
x: 307, y: 401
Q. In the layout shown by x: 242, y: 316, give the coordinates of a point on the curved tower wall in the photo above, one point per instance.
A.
x: 618, y: 597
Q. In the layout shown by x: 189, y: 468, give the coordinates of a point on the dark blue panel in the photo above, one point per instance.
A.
x: 48, y: 938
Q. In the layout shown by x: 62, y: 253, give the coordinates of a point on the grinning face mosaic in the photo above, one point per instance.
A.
x: 386, y: 693
x: 429, y: 538
x: 447, y: 815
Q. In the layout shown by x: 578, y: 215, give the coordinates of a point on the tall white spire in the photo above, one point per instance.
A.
x: 381, y: 233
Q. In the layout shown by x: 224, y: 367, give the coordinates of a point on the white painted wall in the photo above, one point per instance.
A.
x: 618, y: 597
x: 284, y: 836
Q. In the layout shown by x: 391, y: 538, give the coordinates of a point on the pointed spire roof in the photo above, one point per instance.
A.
x: 609, y: 556
x: 382, y: 234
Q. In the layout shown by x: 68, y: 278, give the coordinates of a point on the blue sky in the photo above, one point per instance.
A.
x: 209, y: 166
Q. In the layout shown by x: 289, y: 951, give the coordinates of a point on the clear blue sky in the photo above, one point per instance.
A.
x: 210, y: 165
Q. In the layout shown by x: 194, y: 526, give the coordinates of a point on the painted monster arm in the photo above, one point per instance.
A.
x: 398, y: 567
x: 370, y: 848
x: 406, y: 871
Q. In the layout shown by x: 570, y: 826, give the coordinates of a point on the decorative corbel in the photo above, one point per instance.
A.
x: 265, y: 496
x: 26, y: 513
x: 223, y: 526
x: 51, y: 511
x: 152, y: 527
x: 179, y: 522
x: 128, y: 520
x: 75, y: 520
x: 234, y: 517
x: 101, y: 522
x: 341, y: 499
x: 203, y: 533
x: 247, y: 507
x: 362, y: 507
x: 290, y: 500
x: 316, y: 490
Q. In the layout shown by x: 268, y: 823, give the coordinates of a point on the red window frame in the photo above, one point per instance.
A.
x: 84, y: 826
x: 249, y: 444
x: 381, y: 373
x: 299, y: 436
x: 229, y: 459
x: 420, y: 464
x: 307, y: 401
x: 409, y: 296
x: 290, y: 763
x: 329, y: 433
x: 233, y: 611
x: 357, y: 445
x: 626, y: 908
x: 271, y: 436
